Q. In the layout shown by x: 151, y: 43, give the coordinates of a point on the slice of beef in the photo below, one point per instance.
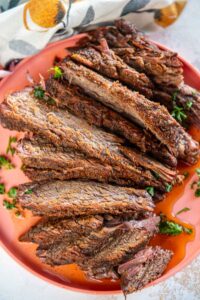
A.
x: 83, y: 251
x: 77, y: 250
x: 48, y: 232
x: 184, y: 97
x: 163, y: 66
x: 136, y: 107
x: 64, y: 129
x: 43, y: 161
x: 47, y: 162
x: 146, y: 266
x: 72, y: 198
x: 134, y: 238
x: 99, y: 115
x: 103, y: 60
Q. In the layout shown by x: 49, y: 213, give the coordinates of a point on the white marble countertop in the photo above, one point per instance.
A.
x: 18, y: 284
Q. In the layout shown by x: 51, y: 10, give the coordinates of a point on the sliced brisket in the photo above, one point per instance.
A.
x: 107, y: 63
x: 85, y: 251
x: 43, y: 161
x: 136, y: 236
x: 72, y: 198
x: 77, y: 250
x: 48, y: 232
x: 99, y: 115
x: 146, y: 266
x: 163, y: 66
x: 136, y: 107
x: 64, y: 129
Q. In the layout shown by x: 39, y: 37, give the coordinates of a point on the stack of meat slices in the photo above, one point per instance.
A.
x: 100, y: 142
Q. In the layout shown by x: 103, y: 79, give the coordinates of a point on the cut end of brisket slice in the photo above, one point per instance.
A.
x: 146, y: 266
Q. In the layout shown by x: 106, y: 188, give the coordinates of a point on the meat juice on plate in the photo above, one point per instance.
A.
x: 70, y: 273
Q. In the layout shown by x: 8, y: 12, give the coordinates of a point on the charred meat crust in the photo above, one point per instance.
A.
x: 88, y: 251
x: 104, y: 61
x: 72, y: 98
x: 136, y: 107
x: 162, y: 66
x: 73, y: 198
x: 52, y: 231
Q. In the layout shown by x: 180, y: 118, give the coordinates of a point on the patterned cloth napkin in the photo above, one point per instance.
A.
x: 28, y: 26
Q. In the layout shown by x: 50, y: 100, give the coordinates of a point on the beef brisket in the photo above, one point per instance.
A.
x: 43, y: 161
x: 186, y: 97
x: 48, y: 232
x: 163, y: 66
x: 99, y: 115
x: 72, y: 198
x: 77, y: 250
x: 146, y: 266
x: 107, y: 63
x: 64, y: 129
x: 134, y: 238
x: 86, y: 250
x: 136, y: 107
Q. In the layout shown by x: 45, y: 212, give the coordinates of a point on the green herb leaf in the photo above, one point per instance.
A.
x: 168, y: 187
x: 12, y: 139
x: 29, y: 191
x: 58, y: 73
x: 174, y: 96
x: 156, y: 175
x: 198, y: 171
x: 39, y: 92
x: 12, y: 193
x: 179, y: 114
x: 2, y: 188
x: 189, y: 104
x: 9, y: 205
x: 187, y: 230
x: 186, y: 174
x: 5, y: 163
x: 197, y: 192
x: 150, y: 190
x: 170, y: 228
x: 182, y: 210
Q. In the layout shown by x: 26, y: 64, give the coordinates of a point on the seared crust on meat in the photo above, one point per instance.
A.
x: 74, y: 198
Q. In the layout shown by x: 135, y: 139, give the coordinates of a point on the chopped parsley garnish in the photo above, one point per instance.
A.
x: 182, y: 210
x: 12, y: 139
x: 2, y: 189
x: 58, y: 73
x: 29, y: 191
x: 198, y: 171
x: 9, y: 205
x: 179, y: 114
x: 197, y: 192
x: 12, y: 193
x: 187, y: 230
x: 196, y: 184
x: 174, y: 95
x: 39, y: 92
x: 172, y: 228
x: 150, y: 190
x: 186, y: 174
x: 5, y: 163
x: 168, y: 187
x: 189, y: 104
x: 156, y: 175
